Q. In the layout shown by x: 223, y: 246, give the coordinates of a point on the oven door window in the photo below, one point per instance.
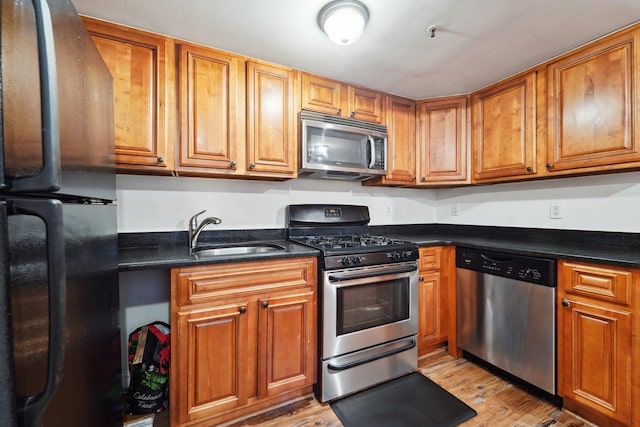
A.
x: 369, y: 305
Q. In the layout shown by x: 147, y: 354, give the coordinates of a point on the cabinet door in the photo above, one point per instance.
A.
x: 272, y: 139
x: 401, y: 124
x: 286, y: 343
x: 212, y: 117
x: 593, y: 105
x: 365, y: 104
x: 322, y: 95
x: 211, y: 349
x: 442, y: 141
x: 594, y: 359
x: 140, y: 64
x: 504, y: 129
x: 430, y: 325
x: 433, y: 320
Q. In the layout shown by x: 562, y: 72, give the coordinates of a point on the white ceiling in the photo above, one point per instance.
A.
x: 477, y: 42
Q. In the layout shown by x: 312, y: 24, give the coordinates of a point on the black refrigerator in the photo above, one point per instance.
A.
x: 59, y: 321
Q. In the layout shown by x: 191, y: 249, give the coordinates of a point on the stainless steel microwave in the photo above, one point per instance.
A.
x: 338, y: 148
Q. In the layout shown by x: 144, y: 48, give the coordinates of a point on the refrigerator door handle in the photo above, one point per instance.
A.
x: 7, y: 374
x: 48, y: 178
x: 31, y: 408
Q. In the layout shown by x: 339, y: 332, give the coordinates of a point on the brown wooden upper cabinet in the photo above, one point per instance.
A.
x: 593, y: 106
x: 504, y: 129
x: 329, y: 96
x: 142, y: 69
x: 443, y: 141
x: 237, y: 117
x: 401, y: 155
x: 211, y: 105
x: 272, y: 120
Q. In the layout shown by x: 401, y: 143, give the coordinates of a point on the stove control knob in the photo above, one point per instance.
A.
x: 346, y: 261
x: 357, y: 260
x: 529, y: 274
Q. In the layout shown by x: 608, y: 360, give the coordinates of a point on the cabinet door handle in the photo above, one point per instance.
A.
x: 242, y: 310
x: 353, y: 114
x: 529, y: 169
x: 232, y: 164
x: 566, y: 303
x: 265, y: 304
x: 421, y: 279
x: 160, y: 160
x: 252, y: 165
x: 339, y: 111
x: 423, y: 179
x: 549, y: 165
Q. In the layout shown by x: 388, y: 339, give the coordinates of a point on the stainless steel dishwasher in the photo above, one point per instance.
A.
x: 506, y: 313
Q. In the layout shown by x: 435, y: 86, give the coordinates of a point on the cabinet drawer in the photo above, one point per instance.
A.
x: 604, y: 283
x: 430, y: 258
x: 220, y: 281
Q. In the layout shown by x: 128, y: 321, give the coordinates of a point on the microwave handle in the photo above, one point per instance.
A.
x: 372, y: 151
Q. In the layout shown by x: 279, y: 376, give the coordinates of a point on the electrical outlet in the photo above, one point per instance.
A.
x: 555, y: 210
x: 388, y: 211
x: 455, y: 209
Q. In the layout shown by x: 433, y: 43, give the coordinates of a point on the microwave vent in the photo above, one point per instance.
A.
x: 336, y: 175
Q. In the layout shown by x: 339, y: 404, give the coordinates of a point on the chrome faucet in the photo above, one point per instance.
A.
x: 195, y: 229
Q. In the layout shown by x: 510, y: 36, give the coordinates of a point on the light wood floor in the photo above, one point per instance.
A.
x: 497, y: 402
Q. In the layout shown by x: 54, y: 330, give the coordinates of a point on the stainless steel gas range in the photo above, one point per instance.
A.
x: 368, y: 286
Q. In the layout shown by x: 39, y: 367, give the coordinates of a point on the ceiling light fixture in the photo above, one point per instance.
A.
x: 343, y: 20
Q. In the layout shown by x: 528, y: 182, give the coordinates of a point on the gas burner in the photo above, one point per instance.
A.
x: 341, y: 234
x: 346, y: 241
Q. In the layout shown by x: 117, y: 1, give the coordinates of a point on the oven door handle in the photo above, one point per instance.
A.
x: 335, y: 278
x: 350, y: 365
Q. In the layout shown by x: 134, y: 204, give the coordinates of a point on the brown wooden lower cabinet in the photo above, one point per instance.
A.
x: 598, y: 347
x: 243, y: 339
x: 436, y: 272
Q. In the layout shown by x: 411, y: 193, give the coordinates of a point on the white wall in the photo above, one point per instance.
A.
x: 602, y: 203
x: 147, y: 203
x: 599, y: 203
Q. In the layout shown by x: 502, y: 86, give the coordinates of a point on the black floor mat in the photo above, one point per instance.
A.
x: 412, y: 400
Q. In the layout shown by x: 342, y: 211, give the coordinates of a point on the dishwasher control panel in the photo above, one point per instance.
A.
x: 541, y: 271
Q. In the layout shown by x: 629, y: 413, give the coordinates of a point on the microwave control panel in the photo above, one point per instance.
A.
x: 379, y: 149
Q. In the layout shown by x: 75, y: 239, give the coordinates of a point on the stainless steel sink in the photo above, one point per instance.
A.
x: 236, y: 249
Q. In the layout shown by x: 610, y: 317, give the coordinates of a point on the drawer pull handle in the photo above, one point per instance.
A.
x: 265, y: 304
x: 242, y: 310
x: 566, y: 303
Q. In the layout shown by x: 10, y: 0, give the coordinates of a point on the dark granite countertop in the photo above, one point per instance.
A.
x: 587, y: 246
x: 143, y: 251
x: 149, y: 251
